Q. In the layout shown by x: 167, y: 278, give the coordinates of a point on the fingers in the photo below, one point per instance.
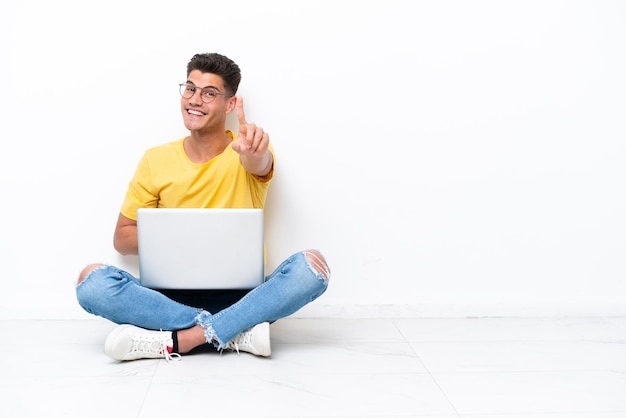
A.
x: 241, y: 115
x: 255, y: 142
x: 251, y: 139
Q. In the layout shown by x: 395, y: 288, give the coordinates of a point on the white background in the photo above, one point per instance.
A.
x: 448, y: 157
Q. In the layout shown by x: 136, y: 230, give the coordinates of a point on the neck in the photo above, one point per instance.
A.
x: 201, y: 148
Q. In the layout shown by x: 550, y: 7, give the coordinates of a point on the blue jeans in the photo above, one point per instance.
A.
x: 116, y: 295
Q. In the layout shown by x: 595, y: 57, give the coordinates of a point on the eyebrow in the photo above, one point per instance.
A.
x: 205, y: 87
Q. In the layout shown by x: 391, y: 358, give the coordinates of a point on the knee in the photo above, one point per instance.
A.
x: 87, y: 270
x: 318, y: 263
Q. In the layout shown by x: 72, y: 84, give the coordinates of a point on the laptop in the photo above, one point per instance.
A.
x: 185, y: 248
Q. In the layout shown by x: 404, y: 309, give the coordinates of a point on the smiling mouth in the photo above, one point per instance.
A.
x: 195, y: 112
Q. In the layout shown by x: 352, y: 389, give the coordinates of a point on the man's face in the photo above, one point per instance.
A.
x: 204, y: 105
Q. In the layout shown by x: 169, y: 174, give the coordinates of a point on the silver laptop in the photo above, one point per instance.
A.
x: 200, y: 248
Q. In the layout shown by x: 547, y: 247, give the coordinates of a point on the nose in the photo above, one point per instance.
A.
x: 196, y: 97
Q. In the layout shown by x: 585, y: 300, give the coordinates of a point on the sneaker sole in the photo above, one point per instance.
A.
x: 265, y: 351
x: 109, y: 344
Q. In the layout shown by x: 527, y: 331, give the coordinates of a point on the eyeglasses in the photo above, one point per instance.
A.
x: 208, y: 94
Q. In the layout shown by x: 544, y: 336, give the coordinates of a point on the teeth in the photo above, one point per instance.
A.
x: 195, y: 112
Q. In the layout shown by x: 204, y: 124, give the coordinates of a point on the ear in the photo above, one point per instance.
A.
x: 231, y: 105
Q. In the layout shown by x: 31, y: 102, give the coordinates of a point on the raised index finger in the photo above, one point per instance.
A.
x: 241, y: 116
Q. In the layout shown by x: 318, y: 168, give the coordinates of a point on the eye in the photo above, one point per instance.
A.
x: 190, y: 89
x: 210, y: 94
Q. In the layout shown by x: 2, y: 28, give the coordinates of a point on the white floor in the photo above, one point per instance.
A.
x: 380, y: 368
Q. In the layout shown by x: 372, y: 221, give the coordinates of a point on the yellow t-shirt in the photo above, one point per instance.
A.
x: 166, y: 178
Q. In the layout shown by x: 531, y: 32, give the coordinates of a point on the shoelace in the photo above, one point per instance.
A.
x: 171, y: 356
x: 154, y: 346
x: 245, y: 338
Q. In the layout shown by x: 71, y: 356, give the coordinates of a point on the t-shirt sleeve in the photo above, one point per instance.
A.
x: 140, y: 193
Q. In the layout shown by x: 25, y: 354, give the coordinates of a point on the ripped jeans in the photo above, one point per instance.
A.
x: 116, y: 295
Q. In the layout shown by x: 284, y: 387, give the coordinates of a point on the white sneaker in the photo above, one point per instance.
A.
x: 128, y: 342
x: 255, y: 340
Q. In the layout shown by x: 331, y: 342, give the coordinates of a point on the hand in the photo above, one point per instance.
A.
x: 251, y: 140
